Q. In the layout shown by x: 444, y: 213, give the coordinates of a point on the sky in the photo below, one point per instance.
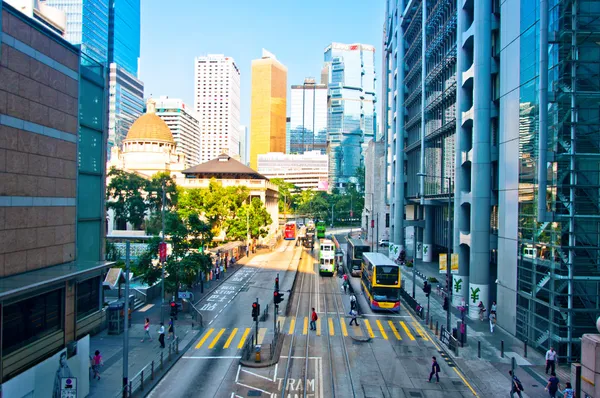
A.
x: 297, y: 31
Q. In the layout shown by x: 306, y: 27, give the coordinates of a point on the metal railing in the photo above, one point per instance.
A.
x: 138, y: 294
x: 143, y: 379
x: 196, y: 316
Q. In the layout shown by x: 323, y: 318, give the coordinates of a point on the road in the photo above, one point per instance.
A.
x: 388, y: 355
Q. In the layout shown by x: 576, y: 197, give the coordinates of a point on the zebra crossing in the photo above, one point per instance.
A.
x: 387, y: 329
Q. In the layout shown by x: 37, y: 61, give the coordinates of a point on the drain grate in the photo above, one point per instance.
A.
x: 416, y: 394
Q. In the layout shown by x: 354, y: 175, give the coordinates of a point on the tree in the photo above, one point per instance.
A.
x: 253, y: 218
x: 286, y: 193
x: 125, y: 196
x: 154, y: 188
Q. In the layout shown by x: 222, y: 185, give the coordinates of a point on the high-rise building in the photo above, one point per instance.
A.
x: 217, y: 103
x: 511, y: 133
x: 244, y: 145
x: 184, y: 125
x: 287, y: 134
x: 124, y: 34
x: 268, y: 108
x: 51, y: 17
x: 87, y: 25
x: 308, y: 122
x: 351, y: 108
x: 306, y: 171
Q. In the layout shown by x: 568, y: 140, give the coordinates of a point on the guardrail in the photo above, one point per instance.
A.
x: 138, y: 294
x: 412, y: 303
x: 144, y: 377
x: 447, y: 338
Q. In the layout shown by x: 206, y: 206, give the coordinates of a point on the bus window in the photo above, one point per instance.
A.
x: 387, y: 275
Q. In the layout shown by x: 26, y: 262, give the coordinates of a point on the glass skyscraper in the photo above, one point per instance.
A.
x: 124, y: 40
x: 351, y: 108
x: 308, y: 122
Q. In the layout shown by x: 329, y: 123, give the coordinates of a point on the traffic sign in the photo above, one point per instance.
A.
x: 68, y: 387
x: 185, y: 295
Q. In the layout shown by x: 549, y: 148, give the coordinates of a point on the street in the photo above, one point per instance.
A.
x: 387, y: 355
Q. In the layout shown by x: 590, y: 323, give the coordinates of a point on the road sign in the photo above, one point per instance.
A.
x: 185, y: 295
x: 68, y: 387
x: 162, y: 252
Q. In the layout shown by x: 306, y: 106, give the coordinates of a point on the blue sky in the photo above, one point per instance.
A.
x: 175, y: 32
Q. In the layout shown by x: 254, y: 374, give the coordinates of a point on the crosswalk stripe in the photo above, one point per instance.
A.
x: 204, y: 338
x: 394, y: 330
x: 292, y: 325
x: 217, y: 337
x: 383, y: 333
x: 281, y: 320
x: 343, y: 325
x: 318, y: 326
x: 331, y: 330
x: 243, y: 339
x: 305, y: 328
x: 420, y: 331
x: 261, y: 335
x: 357, y: 330
x: 368, y: 325
x: 410, y: 336
x: 231, y: 336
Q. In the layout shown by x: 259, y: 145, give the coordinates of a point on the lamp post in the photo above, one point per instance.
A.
x: 162, y: 301
x: 372, y: 211
x: 449, y: 255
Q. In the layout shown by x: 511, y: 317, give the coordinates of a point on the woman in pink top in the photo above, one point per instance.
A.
x: 96, y: 363
x: 147, y: 330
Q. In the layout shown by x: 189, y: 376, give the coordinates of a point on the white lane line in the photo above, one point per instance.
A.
x: 275, y: 374
x: 237, y: 376
x: 254, y: 388
x: 257, y: 375
x: 386, y: 316
x: 297, y: 357
x: 216, y: 357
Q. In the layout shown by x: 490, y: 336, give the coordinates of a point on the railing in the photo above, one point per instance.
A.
x: 447, y: 338
x: 140, y: 295
x: 412, y: 303
x: 196, y: 316
x: 143, y: 379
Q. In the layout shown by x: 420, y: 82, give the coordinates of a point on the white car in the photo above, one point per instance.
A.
x: 384, y: 242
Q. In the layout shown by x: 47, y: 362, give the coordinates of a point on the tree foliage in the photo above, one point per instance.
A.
x: 125, y: 196
x: 252, y: 218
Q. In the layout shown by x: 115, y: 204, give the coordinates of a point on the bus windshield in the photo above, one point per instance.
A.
x: 359, y: 250
x: 387, y: 274
x: 386, y: 294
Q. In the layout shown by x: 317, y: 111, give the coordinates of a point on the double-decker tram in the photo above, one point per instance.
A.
x: 290, y: 230
x: 326, y: 257
x: 381, y: 282
x: 354, y: 252
x: 321, y: 230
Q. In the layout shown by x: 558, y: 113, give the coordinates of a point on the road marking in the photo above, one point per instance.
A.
x: 385, y: 316
x: 281, y: 320
x: 420, y: 331
x: 261, y: 335
x: 146, y: 308
x: 318, y: 326
x: 203, y: 339
x: 255, y: 374
x: 383, y: 333
x: 331, y: 330
x: 243, y: 339
x: 292, y: 325
x: 305, y: 328
x: 231, y: 336
x: 368, y: 325
x: 212, y: 357
x: 391, y: 323
x: 410, y: 336
x: 343, y: 325
x: 217, y: 337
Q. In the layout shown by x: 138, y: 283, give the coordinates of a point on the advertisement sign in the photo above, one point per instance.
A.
x: 162, y: 252
x: 453, y: 263
x: 323, y: 185
x: 68, y: 387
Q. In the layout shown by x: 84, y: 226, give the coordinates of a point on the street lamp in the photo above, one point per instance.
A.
x: 449, y: 240
x: 372, y: 219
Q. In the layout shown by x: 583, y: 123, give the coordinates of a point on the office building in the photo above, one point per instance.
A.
x: 184, y: 125
x: 268, y: 107
x: 217, y: 103
x: 523, y: 178
x: 51, y: 17
x: 87, y: 25
x: 287, y: 134
x: 306, y: 171
x: 375, y: 221
x: 351, y: 108
x: 308, y: 122
x: 124, y: 34
x: 51, y: 205
x: 244, y: 145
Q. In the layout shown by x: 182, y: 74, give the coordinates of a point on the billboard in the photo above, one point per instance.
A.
x: 453, y: 262
x: 323, y: 185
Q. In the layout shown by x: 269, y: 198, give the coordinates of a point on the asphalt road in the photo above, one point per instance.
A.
x: 388, y: 355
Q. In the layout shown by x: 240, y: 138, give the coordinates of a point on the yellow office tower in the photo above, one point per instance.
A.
x: 268, y: 108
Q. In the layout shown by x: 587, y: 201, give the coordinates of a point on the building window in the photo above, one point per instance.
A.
x: 31, y: 319
x: 88, y: 297
x: 387, y: 220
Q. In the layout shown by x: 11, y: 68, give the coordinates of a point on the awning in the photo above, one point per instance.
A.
x: 114, y: 276
x: 34, y: 280
x: 227, y: 246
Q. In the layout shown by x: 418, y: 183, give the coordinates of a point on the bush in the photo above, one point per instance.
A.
x: 409, y: 264
x: 432, y: 279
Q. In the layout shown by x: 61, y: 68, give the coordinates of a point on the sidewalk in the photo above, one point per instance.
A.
x: 490, y: 372
x: 142, y: 353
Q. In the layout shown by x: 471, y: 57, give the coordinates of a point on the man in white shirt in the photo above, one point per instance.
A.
x: 550, y: 359
x: 161, y: 335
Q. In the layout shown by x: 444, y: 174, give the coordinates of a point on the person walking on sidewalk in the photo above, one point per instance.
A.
x: 171, y: 329
x: 96, y: 363
x: 550, y: 360
x: 435, y: 370
x: 553, y: 385
x: 161, y: 335
x: 353, y: 314
x: 353, y: 302
x: 481, y: 310
x: 568, y: 391
x: 516, y: 385
x: 147, y: 330
x: 492, y: 322
x: 313, y: 320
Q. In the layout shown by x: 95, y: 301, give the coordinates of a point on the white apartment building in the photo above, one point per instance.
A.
x: 217, y: 102
x: 184, y: 125
x: 306, y: 171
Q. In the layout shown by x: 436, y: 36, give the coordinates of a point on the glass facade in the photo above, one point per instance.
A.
x: 124, y: 34
x: 351, y: 108
x: 308, y: 122
x: 126, y: 104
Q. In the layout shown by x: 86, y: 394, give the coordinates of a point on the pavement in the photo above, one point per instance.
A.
x: 143, y: 353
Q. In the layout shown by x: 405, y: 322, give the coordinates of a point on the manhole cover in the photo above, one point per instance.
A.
x: 416, y: 394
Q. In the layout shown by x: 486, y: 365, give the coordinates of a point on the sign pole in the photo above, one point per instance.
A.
x: 256, y: 333
x: 126, y: 326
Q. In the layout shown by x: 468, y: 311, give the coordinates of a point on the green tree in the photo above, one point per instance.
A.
x: 287, y: 191
x: 253, y: 218
x: 125, y: 196
x: 154, y: 188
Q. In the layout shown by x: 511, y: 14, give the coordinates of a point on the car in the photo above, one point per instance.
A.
x: 384, y: 242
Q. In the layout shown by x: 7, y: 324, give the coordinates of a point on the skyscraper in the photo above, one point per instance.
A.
x: 124, y: 34
x: 217, y: 103
x: 268, y: 108
x: 351, y: 106
x: 308, y: 123
x: 244, y: 145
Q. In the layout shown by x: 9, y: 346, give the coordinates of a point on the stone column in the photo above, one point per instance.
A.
x: 428, y: 235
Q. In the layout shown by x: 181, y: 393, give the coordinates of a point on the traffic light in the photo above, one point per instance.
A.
x: 277, y: 297
x: 276, y: 283
x: 427, y: 289
x: 255, y: 310
x: 445, y: 303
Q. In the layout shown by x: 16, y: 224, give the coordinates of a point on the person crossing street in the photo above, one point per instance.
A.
x: 313, y: 320
x: 435, y: 370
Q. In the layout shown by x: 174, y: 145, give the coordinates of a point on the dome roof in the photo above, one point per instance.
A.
x: 150, y: 127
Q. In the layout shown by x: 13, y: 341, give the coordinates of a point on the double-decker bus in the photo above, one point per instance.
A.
x: 321, y: 230
x: 290, y: 230
x: 381, y: 282
x: 354, y: 252
x: 326, y: 256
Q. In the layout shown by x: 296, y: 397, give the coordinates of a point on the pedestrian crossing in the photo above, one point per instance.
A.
x: 234, y: 338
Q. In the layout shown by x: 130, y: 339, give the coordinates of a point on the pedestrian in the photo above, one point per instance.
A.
x: 96, y: 363
x: 147, y: 330
x: 161, y: 335
x: 553, y: 385
x: 568, y: 391
x: 481, y: 310
x: 493, y: 309
x: 492, y: 322
x: 353, y: 314
x: 435, y: 370
x: 516, y: 385
x: 171, y: 329
x: 353, y: 302
x: 313, y: 320
x: 345, y: 285
x: 340, y: 270
x: 550, y: 360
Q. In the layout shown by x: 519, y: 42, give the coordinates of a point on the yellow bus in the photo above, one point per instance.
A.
x: 380, y: 282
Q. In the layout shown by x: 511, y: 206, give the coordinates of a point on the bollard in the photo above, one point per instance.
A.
x: 502, y: 348
x: 479, y: 349
x: 142, y: 380
x: 525, y: 348
x: 437, y: 325
x: 152, y: 370
x: 177, y: 344
x: 161, y: 361
x: 431, y: 324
